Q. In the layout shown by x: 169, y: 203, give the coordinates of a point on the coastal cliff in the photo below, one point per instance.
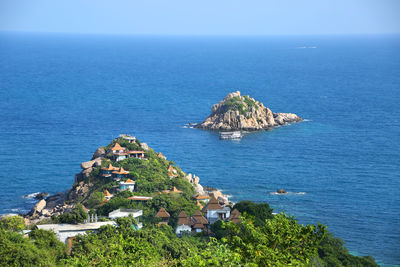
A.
x: 237, y: 112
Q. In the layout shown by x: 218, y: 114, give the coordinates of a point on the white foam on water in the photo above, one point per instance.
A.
x: 31, y: 196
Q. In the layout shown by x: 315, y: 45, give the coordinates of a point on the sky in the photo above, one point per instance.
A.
x: 202, y: 17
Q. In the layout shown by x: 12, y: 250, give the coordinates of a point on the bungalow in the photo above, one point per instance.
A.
x: 163, y: 215
x: 234, y: 217
x: 203, y: 198
x: 127, y: 185
x: 65, y: 231
x: 119, y: 152
x: 125, y: 213
x: 140, y: 198
x: 138, y: 154
x: 215, y: 211
x: 183, y: 224
x: 121, y: 173
x: 107, y: 171
x: 129, y: 138
x: 199, y: 222
x: 160, y: 155
x: 173, y: 191
x: 107, y: 195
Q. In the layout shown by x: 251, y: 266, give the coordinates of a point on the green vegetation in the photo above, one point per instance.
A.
x: 77, y: 215
x: 242, y: 105
x: 260, y: 239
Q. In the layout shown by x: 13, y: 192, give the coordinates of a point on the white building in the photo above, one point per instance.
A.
x: 125, y: 213
x: 127, y: 185
x: 183, y: 224
x: 65, y: 231
x: 214, y: 211
x: 128, y: 137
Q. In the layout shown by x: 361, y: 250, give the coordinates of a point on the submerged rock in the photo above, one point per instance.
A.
x: 237, y: 112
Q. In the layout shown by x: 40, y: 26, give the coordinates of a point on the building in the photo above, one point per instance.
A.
x: 172, y: 173
x: 203, y: 198
x: 129, y: 138
x: 107, y: 195
x: 120, y: 173
x: 107, y: 171
x: 160, y: 155
x: 126, y: 213
x: 163, y: 215
x: 199, y: 222
x: 214, y: 211
x: 173, y: 191
x: 138, y: 154
x: 234, y: 217
x: 140, y: 198
x: 65, y: 231
x: 183, y: 224
x: 127, y: 185
x: 119, y: 152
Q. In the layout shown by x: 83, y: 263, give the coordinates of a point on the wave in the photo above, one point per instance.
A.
x: 307, y: 120
x: 31, y: 196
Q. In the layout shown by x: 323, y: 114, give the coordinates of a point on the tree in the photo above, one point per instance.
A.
x: 77, y: 215
x: 14, y: 223
x: 260, y: 212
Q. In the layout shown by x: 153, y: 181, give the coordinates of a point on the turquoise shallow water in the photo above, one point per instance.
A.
x: 62, y: 96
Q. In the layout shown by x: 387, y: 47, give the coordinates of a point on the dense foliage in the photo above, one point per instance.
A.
x: 260, y: 239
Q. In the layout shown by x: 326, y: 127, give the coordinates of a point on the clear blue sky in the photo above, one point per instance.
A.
x: 202, y: 17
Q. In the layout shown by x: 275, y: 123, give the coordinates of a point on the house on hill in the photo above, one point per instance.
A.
x: 199, y: 222
x: 107, y: 195
x: 234, y: 217
x: 119, y: 152
x: 128, y: 137
x: 107, y: 171
x: 127, y: 185
x: 183, y: 224
x: 214, y: 211
x: 160, y: 155
x: 163, y: 215
x: 120, y: 173
x: 125, y: 213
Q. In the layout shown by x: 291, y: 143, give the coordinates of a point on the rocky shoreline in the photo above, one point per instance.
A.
x: 237, y: 112
x: 62, y: 202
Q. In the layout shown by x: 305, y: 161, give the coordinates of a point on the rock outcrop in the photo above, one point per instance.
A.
x: 237, y: 112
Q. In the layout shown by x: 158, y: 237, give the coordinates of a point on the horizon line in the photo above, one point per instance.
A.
x: 198, y: 35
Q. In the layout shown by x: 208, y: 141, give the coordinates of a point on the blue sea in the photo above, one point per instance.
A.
x: 62, y: 96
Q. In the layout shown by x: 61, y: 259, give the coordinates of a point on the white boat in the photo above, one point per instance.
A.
x: 230, y: 135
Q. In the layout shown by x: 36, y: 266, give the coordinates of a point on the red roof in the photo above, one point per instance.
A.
x: 162, y: 213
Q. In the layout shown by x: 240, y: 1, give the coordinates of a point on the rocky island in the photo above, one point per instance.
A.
x: 237, y: 112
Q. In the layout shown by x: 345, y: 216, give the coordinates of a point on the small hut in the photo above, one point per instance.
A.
x: 163, y: 215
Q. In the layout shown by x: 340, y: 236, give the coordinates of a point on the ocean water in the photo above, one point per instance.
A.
x: 62, y: 96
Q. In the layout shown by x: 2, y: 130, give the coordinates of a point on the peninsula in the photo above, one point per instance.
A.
x: 132, y: 206
x: 237, y: 112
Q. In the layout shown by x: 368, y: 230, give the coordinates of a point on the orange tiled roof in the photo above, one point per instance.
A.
x: 170, y: 168
x: 106, y: 193
x: 161, y: 155
x: 117, y: 147
x: 200, y: 197
x: 121, y: 171
x: 110, y: 168
x: 136, y: 152
x: 129, y: 181
x: 175, y: 190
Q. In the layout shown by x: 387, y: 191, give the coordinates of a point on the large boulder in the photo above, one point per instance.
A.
x: 91, y: 163
x: 100, y: 152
